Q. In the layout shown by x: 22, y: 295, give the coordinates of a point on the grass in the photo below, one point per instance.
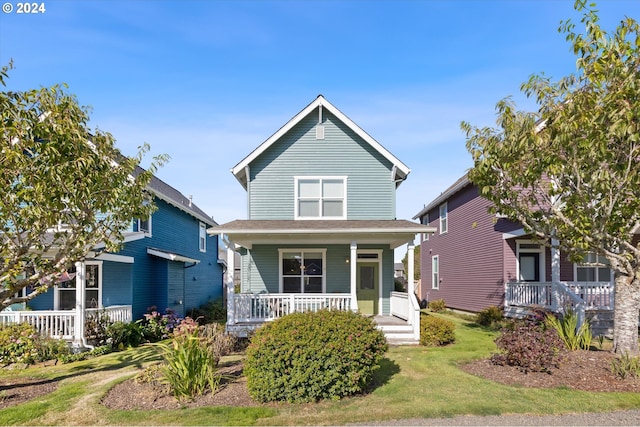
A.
x: 413, y: 382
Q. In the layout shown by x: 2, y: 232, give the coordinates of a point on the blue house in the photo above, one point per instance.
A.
x: 321, y: 228
x: 167, y: 261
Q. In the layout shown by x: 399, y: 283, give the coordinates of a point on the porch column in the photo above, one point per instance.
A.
x: 354, y: 285
x: 555, y: 273
x: 410, y: 273
x: 230, y: 284
x: 78, y: 330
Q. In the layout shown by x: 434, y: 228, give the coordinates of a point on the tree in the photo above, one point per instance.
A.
x: 571, y: 171
x: 64, y: 190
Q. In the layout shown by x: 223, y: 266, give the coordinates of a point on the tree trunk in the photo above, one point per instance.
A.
x: 627, y: 304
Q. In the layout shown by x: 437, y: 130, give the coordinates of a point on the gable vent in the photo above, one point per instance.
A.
x: 319, y: 131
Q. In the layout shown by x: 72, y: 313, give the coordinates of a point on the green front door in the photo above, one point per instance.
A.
x: 368, y: 287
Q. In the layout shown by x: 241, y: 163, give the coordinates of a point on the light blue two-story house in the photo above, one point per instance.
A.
x: 167, y: 261
x: 321, y: 228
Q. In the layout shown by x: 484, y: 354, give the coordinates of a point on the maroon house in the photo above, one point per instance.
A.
x: 475, y: 260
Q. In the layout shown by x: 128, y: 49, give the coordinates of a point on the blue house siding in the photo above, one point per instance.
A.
x: 174, y: 231
x: 117, y: 283
x: 42, y: 302
x: 370, y: 187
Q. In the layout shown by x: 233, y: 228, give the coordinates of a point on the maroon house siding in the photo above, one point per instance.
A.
x: 475, y: 259
x: 471, y: 254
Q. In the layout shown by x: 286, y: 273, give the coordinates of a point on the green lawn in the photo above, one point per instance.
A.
x: 413, y: 382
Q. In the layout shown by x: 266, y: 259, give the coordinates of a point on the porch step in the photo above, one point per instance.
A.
x: 396, y: 330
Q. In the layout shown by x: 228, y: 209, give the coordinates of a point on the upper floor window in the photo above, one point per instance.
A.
x: 321, y: 197
x: 203, y: 237
x: 444, y: 221
x: 143, y: 225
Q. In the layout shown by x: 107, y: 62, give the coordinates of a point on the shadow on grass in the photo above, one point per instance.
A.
x: 388, y: 368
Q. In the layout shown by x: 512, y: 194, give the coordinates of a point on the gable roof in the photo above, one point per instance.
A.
x: 400, y: 169
x: 167, y: 193
x: 446, y: 194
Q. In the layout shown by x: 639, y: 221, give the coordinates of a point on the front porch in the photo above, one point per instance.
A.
x: 66, y: 325
x: 247, y: 312
x: 589, y: 300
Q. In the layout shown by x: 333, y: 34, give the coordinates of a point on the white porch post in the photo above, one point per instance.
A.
x: 229, y: 281
x: 555, y: 273
x: 78, y: 332
x: 410, y: 273
x: 353, y: 260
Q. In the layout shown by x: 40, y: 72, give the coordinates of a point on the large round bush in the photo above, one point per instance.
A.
x: 305, y: 357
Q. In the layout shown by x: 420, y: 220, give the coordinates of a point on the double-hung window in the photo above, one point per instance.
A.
x: 593, y: 268
x: 321, y: 197
x: 203, y: 237
x: 444, y: 222
x: 302, y: 271
x: 435, y: 272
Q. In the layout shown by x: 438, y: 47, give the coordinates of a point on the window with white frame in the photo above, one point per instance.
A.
x: 444, y: 221
x: 594, y: 268
x: 143, y: 225
x: 302, y: 271
x: 425, y: 221
x: 321, y: 197
x: 435, y: 272
x: 203, y: 237
x: 66, y: 289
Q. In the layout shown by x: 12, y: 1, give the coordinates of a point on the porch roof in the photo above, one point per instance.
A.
x: 392, y: 232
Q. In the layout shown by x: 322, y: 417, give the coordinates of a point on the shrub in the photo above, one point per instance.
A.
x: 217, y: 341
x: 156, y: 326
x: 436, y: 331
x: 18, y: 344
x: 529, y: 346
x: 51, y: 349
x: 305, y: 357
x: 209, y: 312
x: 490, y: 316
x: 122, y: 335
x: 573, y: 337
x: 95, y: 328
x: 437, y: 306
x: 84, y: 355
x: 190, y: 366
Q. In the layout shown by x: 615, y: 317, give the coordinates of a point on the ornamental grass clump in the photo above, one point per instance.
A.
x: 306, y: 357
x: 574, y: 337
x: 190, y: 365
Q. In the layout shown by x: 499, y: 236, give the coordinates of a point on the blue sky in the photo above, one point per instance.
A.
x: 208, y: 81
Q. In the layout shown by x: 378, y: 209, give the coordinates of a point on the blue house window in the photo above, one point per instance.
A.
x: 302, y: 271
x: 321, y: 197
x: 203, y: 237
x: 143, y: 225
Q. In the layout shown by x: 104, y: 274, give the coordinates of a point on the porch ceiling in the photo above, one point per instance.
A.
x: 394, y: 233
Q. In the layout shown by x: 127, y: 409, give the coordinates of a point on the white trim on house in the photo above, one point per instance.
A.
x: 443, y: 220
x: 115, y: 258
x: 78, y: 278
x: 515, y: 233
x: 239, y: 171
x: 171, y: 256
x: 435, y: 272
x: 202, y: 237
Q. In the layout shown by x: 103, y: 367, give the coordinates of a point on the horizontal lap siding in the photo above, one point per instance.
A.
x: 471, y: 255
x: 117, y: 283
x: 370, y: 189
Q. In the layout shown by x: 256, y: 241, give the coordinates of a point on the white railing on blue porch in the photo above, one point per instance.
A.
x: 60, y: 324
x: 406, y: 307
x: 256, y: 308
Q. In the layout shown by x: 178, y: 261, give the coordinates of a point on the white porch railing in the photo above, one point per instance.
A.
x: 525, y: 294
x: 60, y: 324
x: 256, y: 308
x: 577, y: 296
x: 406, y: 307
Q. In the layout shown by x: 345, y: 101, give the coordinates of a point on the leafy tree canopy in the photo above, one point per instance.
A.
x: 571, y: 170
x: 65, y: 190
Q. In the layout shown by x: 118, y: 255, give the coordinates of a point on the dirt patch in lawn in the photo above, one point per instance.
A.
x: 16, y: 390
